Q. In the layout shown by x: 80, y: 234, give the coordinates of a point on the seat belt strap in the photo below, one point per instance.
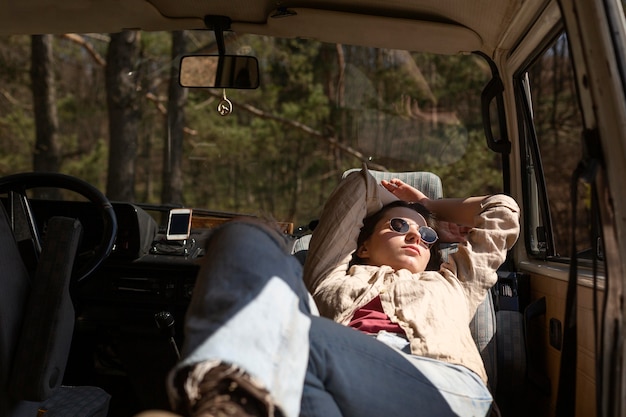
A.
x: 565, y: 403
x: 566, y: 397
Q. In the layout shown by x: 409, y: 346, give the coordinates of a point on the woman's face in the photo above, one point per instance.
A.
x: 397, y: 250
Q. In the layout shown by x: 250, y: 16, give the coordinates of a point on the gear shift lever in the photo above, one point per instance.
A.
x: 165, y: 322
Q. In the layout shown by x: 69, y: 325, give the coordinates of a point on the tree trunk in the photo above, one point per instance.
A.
x: 46, y: 156
x: 124, y: 114
x: 172, y: 185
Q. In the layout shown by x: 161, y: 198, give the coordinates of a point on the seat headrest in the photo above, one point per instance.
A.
x: 427, y: 182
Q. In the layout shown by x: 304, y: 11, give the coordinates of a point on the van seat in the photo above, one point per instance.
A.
x: 37, y: 318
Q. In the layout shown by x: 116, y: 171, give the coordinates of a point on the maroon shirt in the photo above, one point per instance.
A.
x: 371, y: 319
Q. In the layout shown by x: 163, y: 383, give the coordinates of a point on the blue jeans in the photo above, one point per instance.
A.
x: 250, y: 308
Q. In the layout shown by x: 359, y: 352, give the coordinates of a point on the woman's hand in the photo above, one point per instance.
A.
x: 403, y: 191
x: 452, y: 232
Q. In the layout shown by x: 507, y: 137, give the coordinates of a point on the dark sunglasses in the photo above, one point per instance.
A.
x: 427, y: 234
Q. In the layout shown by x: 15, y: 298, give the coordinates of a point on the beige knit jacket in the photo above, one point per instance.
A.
x: 434, y: 308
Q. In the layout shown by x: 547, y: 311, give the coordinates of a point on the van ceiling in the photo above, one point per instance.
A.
x: 440, y: 26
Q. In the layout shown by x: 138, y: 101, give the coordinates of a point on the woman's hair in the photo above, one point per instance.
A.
x: 369, y: 224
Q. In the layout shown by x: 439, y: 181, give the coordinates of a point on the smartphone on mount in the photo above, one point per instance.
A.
x: 179, y: 224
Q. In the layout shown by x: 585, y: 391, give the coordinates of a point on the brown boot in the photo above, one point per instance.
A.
x: 213, y: 389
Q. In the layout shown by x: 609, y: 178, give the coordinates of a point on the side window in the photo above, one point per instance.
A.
x: 552, y: 142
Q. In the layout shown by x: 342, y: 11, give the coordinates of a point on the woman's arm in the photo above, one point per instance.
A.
x: 334, y: 239
x: 461, y: 211
x: 495, y: 232
x: 493, y: 223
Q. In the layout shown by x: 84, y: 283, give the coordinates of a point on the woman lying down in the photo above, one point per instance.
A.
x: 388, y: 331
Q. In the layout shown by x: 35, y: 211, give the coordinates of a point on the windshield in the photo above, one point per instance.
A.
x: 320, y: 109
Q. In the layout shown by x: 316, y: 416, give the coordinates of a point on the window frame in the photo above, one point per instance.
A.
x: 533, y: 180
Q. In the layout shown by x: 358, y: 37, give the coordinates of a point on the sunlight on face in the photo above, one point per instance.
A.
x: 397, y: 250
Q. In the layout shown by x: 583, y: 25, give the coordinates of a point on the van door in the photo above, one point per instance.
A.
x: 571, y: 107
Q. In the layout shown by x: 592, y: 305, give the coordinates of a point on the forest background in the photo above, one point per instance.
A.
x: 108, y: 109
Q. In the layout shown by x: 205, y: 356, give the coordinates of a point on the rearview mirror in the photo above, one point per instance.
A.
x: 219, y: 71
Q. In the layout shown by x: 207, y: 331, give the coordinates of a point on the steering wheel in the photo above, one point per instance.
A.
x: 20, y: 183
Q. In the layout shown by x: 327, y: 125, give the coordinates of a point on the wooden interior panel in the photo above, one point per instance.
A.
x: 549, y: 357
x: 586, y: 372
x: 202, y: 221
